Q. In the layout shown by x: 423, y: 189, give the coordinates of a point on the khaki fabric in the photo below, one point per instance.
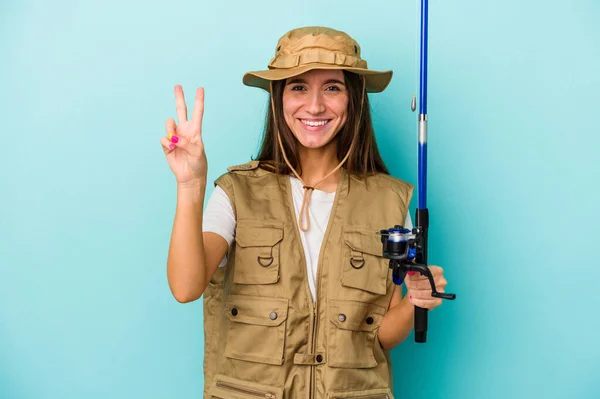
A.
x: 264, y: 336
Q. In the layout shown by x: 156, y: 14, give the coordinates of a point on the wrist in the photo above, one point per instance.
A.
x: 406, y: 304
x: 193, y: 184
x: 192, y: 190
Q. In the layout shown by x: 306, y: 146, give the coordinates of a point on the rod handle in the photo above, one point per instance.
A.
x: 420, y: 324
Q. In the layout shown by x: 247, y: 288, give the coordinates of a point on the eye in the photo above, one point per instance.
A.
x: 297, y: 88
x: 333, y: 88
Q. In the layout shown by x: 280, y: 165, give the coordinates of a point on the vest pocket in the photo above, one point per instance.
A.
x: 364, y: 266
x: 352, y: 333
x: 225, y: 387
x: 257, y: 251
x: 256, y: 328
x: 382, y: 393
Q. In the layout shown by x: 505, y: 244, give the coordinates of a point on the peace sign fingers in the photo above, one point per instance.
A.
x: 198, y: 112
x: 180, y: 105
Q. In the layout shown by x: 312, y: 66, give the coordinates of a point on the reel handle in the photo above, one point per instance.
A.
x: 403, y: 248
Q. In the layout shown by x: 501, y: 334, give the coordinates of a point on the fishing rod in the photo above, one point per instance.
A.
x: 407, y: 248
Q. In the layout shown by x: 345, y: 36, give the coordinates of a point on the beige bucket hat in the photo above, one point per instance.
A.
x: 317, y: 47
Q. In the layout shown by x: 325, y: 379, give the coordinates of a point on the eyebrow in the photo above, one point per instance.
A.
x: 294, y: 81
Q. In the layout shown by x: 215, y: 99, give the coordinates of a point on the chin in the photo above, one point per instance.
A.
x: 314, y: 140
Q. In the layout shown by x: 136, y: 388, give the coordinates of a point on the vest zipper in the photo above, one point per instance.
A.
x: 245, y: 390
x: 289, y: 194
x: 313, y: 375
x: 326, y: 237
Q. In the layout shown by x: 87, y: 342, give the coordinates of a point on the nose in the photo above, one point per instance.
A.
x: 317, y: 103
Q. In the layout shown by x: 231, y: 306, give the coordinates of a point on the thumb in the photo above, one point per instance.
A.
x: 193, y: 146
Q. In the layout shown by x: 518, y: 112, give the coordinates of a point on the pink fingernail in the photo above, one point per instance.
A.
x: 411, y: 273
x: 174, y: 139
x: 171, y: 146
x: 410, y: 297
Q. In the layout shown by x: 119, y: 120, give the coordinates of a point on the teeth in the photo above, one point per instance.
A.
x: 314, y: 124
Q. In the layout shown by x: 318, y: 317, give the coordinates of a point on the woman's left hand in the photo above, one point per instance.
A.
x: 419, y: 289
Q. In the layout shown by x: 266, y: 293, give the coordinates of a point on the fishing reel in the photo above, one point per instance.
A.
x: 402, y: 247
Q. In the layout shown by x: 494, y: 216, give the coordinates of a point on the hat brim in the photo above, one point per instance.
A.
x: 376, y: 81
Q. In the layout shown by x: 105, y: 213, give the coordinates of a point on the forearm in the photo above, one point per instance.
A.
x: 397, y: 324
x: 186, y: 269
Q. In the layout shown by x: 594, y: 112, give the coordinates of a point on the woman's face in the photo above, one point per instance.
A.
x: 315, y: 106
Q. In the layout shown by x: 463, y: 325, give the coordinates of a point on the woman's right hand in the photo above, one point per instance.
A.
x: 183, y: 145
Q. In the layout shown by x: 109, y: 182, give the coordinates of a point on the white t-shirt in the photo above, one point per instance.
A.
x: 220, y: 219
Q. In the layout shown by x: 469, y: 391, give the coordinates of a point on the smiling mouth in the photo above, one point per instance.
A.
x: 313, y: 123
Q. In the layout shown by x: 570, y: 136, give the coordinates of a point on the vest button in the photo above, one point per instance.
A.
x: 234, y: 311
x: 369, y: 320
x: 342, y: 317
x: 319, y: 358
x: 272, y: 315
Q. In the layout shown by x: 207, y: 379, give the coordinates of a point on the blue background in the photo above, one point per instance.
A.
x: 88, y: 200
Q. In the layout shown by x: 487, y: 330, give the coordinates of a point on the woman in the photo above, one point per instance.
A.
x: 298, y: 301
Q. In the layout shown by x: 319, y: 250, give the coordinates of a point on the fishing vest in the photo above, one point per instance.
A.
x: 264, y: 335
